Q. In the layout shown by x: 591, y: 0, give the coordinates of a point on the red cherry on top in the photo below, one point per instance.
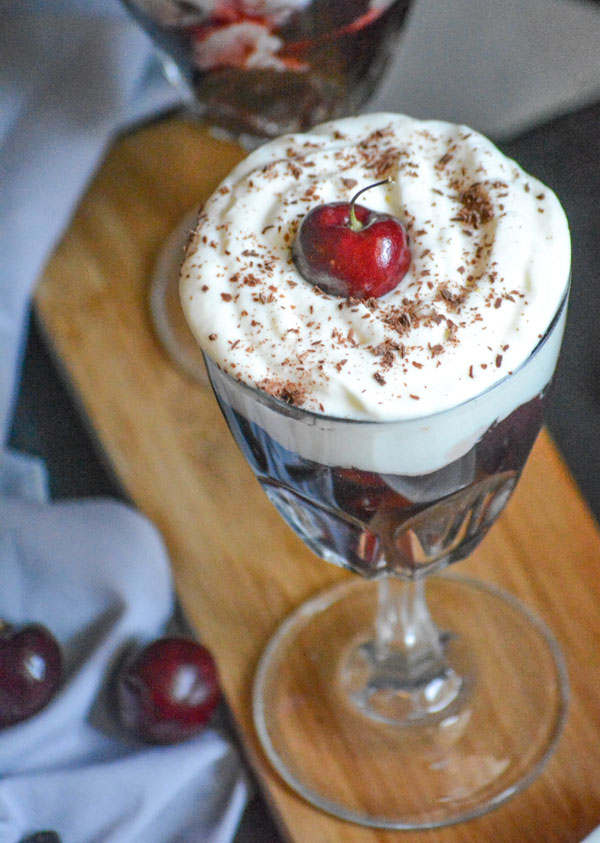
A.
x: 352, y: 251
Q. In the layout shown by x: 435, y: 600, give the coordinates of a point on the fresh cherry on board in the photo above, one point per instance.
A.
x: 168, y: 691
x: 31, y: 671
x: 351, y: 251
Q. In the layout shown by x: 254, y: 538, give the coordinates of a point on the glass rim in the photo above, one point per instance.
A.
x: 299, y: 412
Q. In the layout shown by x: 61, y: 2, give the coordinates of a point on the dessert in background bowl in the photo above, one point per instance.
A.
x: 264, y: 67
x: 388, y: 414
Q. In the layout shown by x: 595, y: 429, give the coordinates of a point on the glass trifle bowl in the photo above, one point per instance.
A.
x: 404, y: 697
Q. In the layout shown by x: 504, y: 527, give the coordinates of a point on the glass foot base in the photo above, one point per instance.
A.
x: 165, y: 307
x: 485, y: 737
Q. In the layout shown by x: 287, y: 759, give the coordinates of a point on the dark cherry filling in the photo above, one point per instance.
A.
x: 371, y: 522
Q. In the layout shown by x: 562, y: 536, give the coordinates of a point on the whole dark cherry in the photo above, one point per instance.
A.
x: 351, y: 251
x: 167, y: 692
x: 31, y: 671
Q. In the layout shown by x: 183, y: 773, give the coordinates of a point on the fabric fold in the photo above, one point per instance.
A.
x: 97, y: 574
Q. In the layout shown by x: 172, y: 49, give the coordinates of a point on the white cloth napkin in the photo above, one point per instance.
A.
x: 72, y: 73
x: 97, y: 574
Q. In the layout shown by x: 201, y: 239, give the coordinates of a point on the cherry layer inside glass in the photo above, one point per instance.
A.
x: 374, y: 522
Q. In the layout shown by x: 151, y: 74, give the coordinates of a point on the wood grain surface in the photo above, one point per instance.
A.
x: 238, y: 568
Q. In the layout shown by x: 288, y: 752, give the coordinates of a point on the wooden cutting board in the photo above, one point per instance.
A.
x: 238, y: 568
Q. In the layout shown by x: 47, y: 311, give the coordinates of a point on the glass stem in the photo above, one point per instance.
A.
x: 401, y: 674
x: 404, y: 628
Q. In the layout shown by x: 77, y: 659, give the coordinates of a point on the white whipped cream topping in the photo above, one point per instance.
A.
x: 490, y: 264
x: 409, y: 447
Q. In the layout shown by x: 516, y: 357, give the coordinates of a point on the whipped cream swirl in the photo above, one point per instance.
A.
x: 490, y: 265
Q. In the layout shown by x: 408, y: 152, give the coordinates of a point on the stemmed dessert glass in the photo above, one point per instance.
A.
x: 403, y: 698
x: 253, y: 70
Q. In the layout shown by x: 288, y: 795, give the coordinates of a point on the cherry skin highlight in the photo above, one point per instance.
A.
x: 351, y: 251
x: 168, y: 691
x: 31, y: 671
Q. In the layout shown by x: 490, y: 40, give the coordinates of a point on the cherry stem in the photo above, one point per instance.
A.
x: 355, y: 225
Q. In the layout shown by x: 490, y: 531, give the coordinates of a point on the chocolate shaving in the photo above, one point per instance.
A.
x: 386, y: 350
x: 288, y: 391
x: 445, y: 159
x: 476, y: 207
